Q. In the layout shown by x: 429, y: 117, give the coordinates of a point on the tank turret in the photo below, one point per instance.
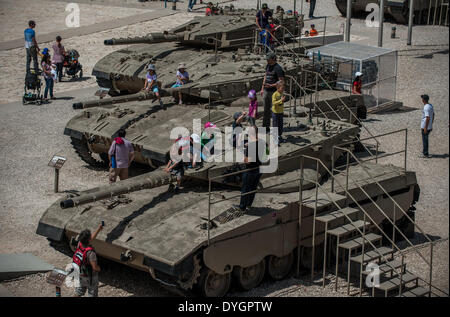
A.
x: 219, y: 31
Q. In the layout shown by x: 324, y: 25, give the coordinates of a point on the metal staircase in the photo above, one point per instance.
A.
x: 356, y: 241
x: 353, y: 247
x: 350, y: 232
x: 353, y: 250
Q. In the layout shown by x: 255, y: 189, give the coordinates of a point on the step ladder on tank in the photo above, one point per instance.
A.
x: 349, y: 230
x: 357, y: 241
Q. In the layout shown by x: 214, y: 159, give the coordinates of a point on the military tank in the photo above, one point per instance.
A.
x: 222, y: 70
x: 195, y: 239
x: 397, y: 9
x: 208, y: 45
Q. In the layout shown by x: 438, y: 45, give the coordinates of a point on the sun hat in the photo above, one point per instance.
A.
x: 181, y: 65
x: 209, y: 125
x: 357, y: 74
x: 151, y: 67
x: 251, y: 94
x: 237, y: 115
x: 195, y: 138
x: 271, y: 55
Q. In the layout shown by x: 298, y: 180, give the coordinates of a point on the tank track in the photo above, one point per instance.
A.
x: 85, y: 154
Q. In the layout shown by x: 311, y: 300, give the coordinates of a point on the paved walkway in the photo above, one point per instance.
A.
x: 103, y: 26
x: 88, y: 29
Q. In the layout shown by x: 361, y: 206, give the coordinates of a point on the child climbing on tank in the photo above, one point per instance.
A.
x: 253, y: 104
x: 151, y: 83
x: 182, y: 79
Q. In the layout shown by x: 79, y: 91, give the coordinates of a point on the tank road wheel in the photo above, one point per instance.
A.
x: 250, y: 277
x: 279, y: 268
x: 213, y: 284
x: 85, y: 154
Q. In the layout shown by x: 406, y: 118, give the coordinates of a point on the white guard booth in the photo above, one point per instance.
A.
x: 378, y: 65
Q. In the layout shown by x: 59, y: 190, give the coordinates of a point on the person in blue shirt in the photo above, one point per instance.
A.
x: 263, y: 16
x: 31, y: 46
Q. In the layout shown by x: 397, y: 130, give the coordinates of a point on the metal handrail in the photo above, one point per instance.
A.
x: 430, y: 264
x: 345, y: 105
x: 284, y: 44
x: 315, y: 104
x: 347, y: 108
x: 359, y: 206
x: 370, y: 218
x: 377, y: 156
x: 384, y: 191
x: 331, y: 199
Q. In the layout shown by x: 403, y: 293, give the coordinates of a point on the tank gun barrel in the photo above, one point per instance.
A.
x: 147, y: 181
x: 142, y: 95
x: 149, y: 39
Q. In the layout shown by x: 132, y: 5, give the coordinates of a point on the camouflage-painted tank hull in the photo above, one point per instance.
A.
x: 230, y: 75
x: 163, y: 233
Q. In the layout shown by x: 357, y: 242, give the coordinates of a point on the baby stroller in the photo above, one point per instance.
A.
x: 32, y: 88
x: 71, y: 64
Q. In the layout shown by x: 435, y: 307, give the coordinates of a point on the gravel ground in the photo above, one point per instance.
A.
x: 26, y: 183
x: 91, y: 49
x: 51, y: 16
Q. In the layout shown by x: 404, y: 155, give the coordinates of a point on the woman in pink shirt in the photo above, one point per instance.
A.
x: 58, y: 56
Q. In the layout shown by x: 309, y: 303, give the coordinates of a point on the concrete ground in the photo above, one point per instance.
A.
x: 30, y: 135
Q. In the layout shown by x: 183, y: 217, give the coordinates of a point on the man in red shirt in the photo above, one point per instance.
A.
x: 357, y: 83
x: 209, y: 9
x: 313, y: 31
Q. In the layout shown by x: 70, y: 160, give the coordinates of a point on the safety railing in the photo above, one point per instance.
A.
x: 436, y: 10
x: 315, y: 91
x: 287, y: 34
x: 362, y: 233
x: 377, y: 155
x: 346, y: 190
x: 305, y: 93
x: 396, y: 207
x: 223, y: 176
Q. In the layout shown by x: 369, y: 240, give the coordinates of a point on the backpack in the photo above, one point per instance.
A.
x: 81, y: 260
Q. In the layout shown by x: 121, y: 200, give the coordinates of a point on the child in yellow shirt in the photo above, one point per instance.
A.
x: 278, y: 108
